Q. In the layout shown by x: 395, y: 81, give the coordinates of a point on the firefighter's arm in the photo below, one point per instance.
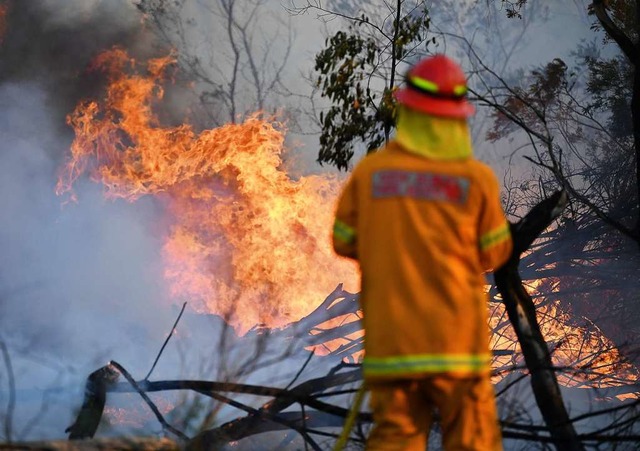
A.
x: 494, y: 235
x: 345, y: 226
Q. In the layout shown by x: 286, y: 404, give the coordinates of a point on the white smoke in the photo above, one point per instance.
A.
x: 79, y: 283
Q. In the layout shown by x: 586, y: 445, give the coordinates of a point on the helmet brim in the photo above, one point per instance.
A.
x: 436, y: 106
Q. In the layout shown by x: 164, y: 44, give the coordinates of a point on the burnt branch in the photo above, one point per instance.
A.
x: 522, y: 314
x: 146, y: 399
x: 95, y: 396
x: 626, y: 45
x: 254, y: 422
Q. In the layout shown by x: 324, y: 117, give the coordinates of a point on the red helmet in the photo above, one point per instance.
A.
x: 437, y: 86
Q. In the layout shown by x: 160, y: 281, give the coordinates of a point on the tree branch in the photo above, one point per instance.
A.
x: 623, y: 41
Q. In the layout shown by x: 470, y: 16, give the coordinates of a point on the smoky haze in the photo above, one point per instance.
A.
x: 51, y: 42
x: 79, y: 283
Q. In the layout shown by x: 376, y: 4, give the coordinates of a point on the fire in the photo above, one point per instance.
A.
x: 246, y: 241
x: 589, y: 358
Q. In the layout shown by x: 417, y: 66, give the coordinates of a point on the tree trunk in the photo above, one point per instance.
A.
x: 631, y: 50
x: 522, y: 315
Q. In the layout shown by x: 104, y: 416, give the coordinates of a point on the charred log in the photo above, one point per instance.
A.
x: 95, y: 396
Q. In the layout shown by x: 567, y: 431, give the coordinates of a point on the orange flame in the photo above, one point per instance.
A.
x: 591, y: 359
x: 247, y: 241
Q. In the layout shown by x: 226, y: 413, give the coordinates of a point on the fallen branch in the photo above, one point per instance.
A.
x: 315, y: 413
x: 104, y: 380
x: 242, y: 427
x: 150, y: 403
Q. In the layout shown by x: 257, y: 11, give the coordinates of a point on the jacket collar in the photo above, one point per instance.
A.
x: 434, y: 137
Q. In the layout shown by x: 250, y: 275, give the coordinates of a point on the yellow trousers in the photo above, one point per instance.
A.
x: 403, y: 413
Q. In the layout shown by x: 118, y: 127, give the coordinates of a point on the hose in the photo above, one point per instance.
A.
x: 350, y: 420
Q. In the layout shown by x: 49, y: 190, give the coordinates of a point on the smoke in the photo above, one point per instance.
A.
x: 79, y: 283
x: 51, y: 42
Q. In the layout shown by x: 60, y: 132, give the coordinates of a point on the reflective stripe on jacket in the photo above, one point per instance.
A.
x: 424, y: 231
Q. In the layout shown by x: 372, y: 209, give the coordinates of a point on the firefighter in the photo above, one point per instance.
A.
x: 424, y: 221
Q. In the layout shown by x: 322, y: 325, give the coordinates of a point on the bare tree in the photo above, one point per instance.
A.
x: 236, y: 53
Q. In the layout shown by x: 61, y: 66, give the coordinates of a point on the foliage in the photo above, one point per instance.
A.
x: 611, y: 90
x: 531, y: 103
x: 580, y: 129
x: 343, y: 67
x: 357, y: 75
x: 513, y: 8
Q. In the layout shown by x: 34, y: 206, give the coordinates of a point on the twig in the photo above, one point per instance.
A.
x: 165, y: 342
x: 150, y: 403
x: 211, y: 389
x: 511, y: 384
x: 300, y: 371
x: 596, y: 413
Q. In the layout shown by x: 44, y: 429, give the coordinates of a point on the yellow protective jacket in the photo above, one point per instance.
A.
x: 424, y: 230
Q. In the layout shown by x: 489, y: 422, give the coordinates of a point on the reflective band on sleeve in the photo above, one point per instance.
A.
x: 426, y: 363
x: 344, y: 232
x: 495, y: 236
